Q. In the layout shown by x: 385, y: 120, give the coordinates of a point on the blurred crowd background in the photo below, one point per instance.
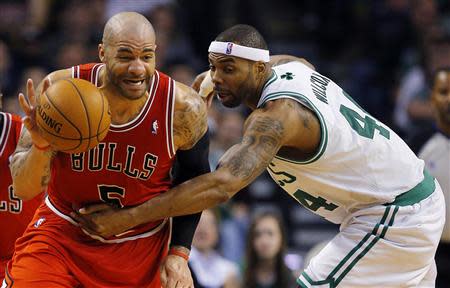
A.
x: 383, y: 53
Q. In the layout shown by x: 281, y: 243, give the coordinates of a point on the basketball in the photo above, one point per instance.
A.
x: 73, y: 115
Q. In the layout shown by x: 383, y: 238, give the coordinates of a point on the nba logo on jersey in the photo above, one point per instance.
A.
x: 229, y: 48
x: 155, y: 127
x: 39, y: 222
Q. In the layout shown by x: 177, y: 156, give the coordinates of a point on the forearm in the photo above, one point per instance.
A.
x: 189, y: 197
x: 30, y: 172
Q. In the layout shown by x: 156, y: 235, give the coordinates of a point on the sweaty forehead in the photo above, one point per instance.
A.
x: 139, y: 37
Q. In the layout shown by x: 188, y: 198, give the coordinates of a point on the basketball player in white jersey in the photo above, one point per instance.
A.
x: 327, y: 153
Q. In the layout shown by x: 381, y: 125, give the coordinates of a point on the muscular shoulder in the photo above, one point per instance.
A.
x: 190, y: 117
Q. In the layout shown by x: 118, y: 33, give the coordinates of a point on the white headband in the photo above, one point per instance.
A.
x: 233, y: 49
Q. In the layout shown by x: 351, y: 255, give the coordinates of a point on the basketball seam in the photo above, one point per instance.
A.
x: 85, y: 110
x: 67, y: 119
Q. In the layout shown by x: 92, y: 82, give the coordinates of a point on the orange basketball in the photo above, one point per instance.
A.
x: 73, y: 115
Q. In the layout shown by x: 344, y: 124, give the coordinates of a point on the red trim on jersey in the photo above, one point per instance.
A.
x: 6, y: 128
x: 136, y: 121
x: 169, y: 115
x: 97, y: 74
x: 94, y: 73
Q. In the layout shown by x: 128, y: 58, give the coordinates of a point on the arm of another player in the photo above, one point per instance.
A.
x: 282, y: 122
x: 30, y: 163
x: 279, y: 123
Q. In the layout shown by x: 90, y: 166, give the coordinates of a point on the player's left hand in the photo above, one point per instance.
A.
x: 175, y: 273
x: 103, y: 219
x: 204, y: 86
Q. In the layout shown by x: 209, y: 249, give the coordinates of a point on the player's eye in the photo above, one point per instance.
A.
x: 228, y: 69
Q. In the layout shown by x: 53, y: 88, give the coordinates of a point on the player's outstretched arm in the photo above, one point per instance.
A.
x: 30, y: 163
x: 264, y: 135
x: 280, y: 123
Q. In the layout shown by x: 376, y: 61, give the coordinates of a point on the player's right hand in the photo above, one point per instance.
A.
x: 28, y: 104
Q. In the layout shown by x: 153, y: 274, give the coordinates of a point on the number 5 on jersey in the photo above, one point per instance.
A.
x: 112, y: 195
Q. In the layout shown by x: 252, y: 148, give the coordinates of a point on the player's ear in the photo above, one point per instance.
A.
x: 260, y: 68
x: 101, y: 52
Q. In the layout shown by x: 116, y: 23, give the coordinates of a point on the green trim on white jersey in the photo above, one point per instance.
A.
x: 308, y: 103
x: 273, y: 78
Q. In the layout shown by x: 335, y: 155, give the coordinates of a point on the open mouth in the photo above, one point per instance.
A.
x: 136, y: 82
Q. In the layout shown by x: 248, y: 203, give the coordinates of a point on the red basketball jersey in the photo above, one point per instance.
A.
x: 14, y: 213
x: 131, y: 165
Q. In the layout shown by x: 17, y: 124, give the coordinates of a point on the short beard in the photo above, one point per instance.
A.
x: 113, y: 80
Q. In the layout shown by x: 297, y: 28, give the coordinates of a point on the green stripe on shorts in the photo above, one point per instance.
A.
x: 350, y: 260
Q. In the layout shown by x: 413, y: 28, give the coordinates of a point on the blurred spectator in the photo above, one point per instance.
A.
x: 266, y: 249
x: 209, y: 269
x: 228, y: 133
x: 182, y: 73
x: 11, y: 103
x: 436, y: 154
x: 6, y: 78
x: 171, y: 40
x: 413, y: 113
x: 234, y: 227
x: 142, y: 6
x: 71, y: 54
x: 35, y: 73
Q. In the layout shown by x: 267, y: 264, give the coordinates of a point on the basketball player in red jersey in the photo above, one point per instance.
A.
x: 153, y: 117
x: 15, y: 214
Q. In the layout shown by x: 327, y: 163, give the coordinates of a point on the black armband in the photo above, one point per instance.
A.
x: 189, y: 164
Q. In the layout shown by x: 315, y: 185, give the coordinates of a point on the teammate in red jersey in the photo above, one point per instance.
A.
x: 15, y: 214
x: 153, y: 117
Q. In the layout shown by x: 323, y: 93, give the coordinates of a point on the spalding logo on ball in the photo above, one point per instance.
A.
x: 73, y: 115
x: 52, y: 123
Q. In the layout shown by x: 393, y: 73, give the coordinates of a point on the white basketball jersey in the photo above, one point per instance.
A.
x: 360, y: 162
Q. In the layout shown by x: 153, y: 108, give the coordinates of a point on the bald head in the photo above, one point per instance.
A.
x: 128, y: 25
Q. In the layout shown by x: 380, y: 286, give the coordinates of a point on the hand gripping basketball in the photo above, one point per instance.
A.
x: 73, y: 115
x: 28, y: 104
